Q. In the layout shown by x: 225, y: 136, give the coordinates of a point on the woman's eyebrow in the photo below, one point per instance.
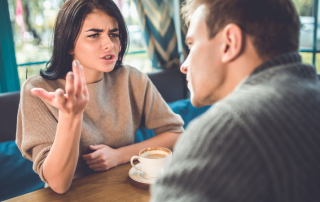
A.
x: 100, y: 30
x: 114, y: 30
x: 94, y: 30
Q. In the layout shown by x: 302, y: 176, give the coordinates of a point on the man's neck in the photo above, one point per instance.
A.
x: 240, y: 69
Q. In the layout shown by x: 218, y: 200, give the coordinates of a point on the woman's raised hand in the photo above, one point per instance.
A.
x: 76, y: 97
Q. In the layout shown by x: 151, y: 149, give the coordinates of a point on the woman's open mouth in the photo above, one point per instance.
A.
x: 109, y: 58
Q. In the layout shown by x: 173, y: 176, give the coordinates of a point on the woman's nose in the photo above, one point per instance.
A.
x: 184, y: 66
x: 107, y: 43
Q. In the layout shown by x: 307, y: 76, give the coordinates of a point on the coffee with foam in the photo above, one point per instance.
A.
x: 152, y: 160
x: 155, y: 154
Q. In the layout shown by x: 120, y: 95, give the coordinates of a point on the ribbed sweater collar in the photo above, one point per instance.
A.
x: 283, y: 59
x: 279, y: 60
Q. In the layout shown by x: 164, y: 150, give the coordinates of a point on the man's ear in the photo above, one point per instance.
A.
x: 232, y: 38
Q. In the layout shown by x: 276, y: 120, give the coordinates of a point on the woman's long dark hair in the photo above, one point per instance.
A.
x: 67, y: 28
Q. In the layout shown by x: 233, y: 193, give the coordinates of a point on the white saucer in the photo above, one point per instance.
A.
x: 140, y: 176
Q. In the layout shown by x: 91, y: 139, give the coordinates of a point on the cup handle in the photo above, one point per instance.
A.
x: 132, y: 159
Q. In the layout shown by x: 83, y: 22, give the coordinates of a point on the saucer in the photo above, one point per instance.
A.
x: 140, y: 176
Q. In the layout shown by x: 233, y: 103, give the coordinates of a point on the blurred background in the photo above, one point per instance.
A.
x: 33, y: 20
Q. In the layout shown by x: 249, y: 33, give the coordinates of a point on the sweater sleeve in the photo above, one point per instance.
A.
x: 36, y: 127
x: 157, y: 115
x: 214, y: 160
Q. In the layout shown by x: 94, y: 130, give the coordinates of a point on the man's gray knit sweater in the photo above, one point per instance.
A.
x: 260, y: 143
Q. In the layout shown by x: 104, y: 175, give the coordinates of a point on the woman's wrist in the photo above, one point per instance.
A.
x: 70, y: 124
x: 123, y: 155
x: 71, y: 116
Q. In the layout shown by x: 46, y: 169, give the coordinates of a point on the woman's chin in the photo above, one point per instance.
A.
x: 107, y: 68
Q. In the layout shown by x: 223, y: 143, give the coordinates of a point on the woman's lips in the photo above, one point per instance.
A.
x: 108, y: 61
x: 106, y: 57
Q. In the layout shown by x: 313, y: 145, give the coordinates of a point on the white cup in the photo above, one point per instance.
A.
x: 152, y: 160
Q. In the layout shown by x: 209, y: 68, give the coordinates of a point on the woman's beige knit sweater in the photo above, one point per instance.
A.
x: 122, y: 101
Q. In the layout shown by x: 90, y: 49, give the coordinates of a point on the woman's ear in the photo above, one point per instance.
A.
x: 71, y: 51
x: 232, y: 47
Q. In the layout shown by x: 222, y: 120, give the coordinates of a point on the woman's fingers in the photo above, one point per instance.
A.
x: 91, y: 156
x: 70, y: 87
x: 59, y: 95
x: 100, y: 169
x: 84, y: 83
x: 76, y: 96
x: 43, y: 94
x: 77, y: 77
x: 97, y: 160
x: 96, y: 165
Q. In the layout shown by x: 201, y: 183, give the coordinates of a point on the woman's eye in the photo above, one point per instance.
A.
x: 94, y: 36
x: 114, y: 35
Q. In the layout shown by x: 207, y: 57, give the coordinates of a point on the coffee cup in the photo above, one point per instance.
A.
x: 152, y: 160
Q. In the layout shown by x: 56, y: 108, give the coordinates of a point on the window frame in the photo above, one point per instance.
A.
x: 314, y: 49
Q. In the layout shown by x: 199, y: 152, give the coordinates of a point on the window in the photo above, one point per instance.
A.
x: 137, y: 54
x: 308, y: 12
x: 33, y: 34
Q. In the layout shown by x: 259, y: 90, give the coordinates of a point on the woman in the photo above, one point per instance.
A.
x: 67, y: 134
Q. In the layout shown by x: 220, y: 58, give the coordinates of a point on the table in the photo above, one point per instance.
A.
x: 112, y: 185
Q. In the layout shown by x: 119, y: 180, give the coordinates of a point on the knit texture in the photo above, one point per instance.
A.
x: 119, y: 104
x: 260, y: 143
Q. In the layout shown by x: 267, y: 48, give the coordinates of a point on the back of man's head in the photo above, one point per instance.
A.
x: 273, y: 25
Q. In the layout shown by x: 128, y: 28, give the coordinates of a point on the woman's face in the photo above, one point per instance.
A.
x: 98, y: 45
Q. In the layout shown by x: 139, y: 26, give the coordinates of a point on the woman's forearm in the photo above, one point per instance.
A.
x: 60, y: 164
x: 166, y: 139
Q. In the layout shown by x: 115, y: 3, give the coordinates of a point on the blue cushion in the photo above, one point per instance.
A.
x: 182, y: 107
x: 16, y: 174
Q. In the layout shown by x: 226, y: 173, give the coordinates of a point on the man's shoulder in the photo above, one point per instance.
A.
x: 272, y: 102
x: 283, y: 89
x: 268, y: 101
x: 211, y: 123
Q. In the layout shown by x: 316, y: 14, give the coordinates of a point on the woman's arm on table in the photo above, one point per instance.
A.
x: 60, y: 164
x: 105, y: 157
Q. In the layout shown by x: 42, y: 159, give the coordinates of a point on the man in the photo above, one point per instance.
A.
x: 261, y: 140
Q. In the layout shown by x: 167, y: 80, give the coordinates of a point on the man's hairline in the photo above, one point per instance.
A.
x: 204, y: 18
